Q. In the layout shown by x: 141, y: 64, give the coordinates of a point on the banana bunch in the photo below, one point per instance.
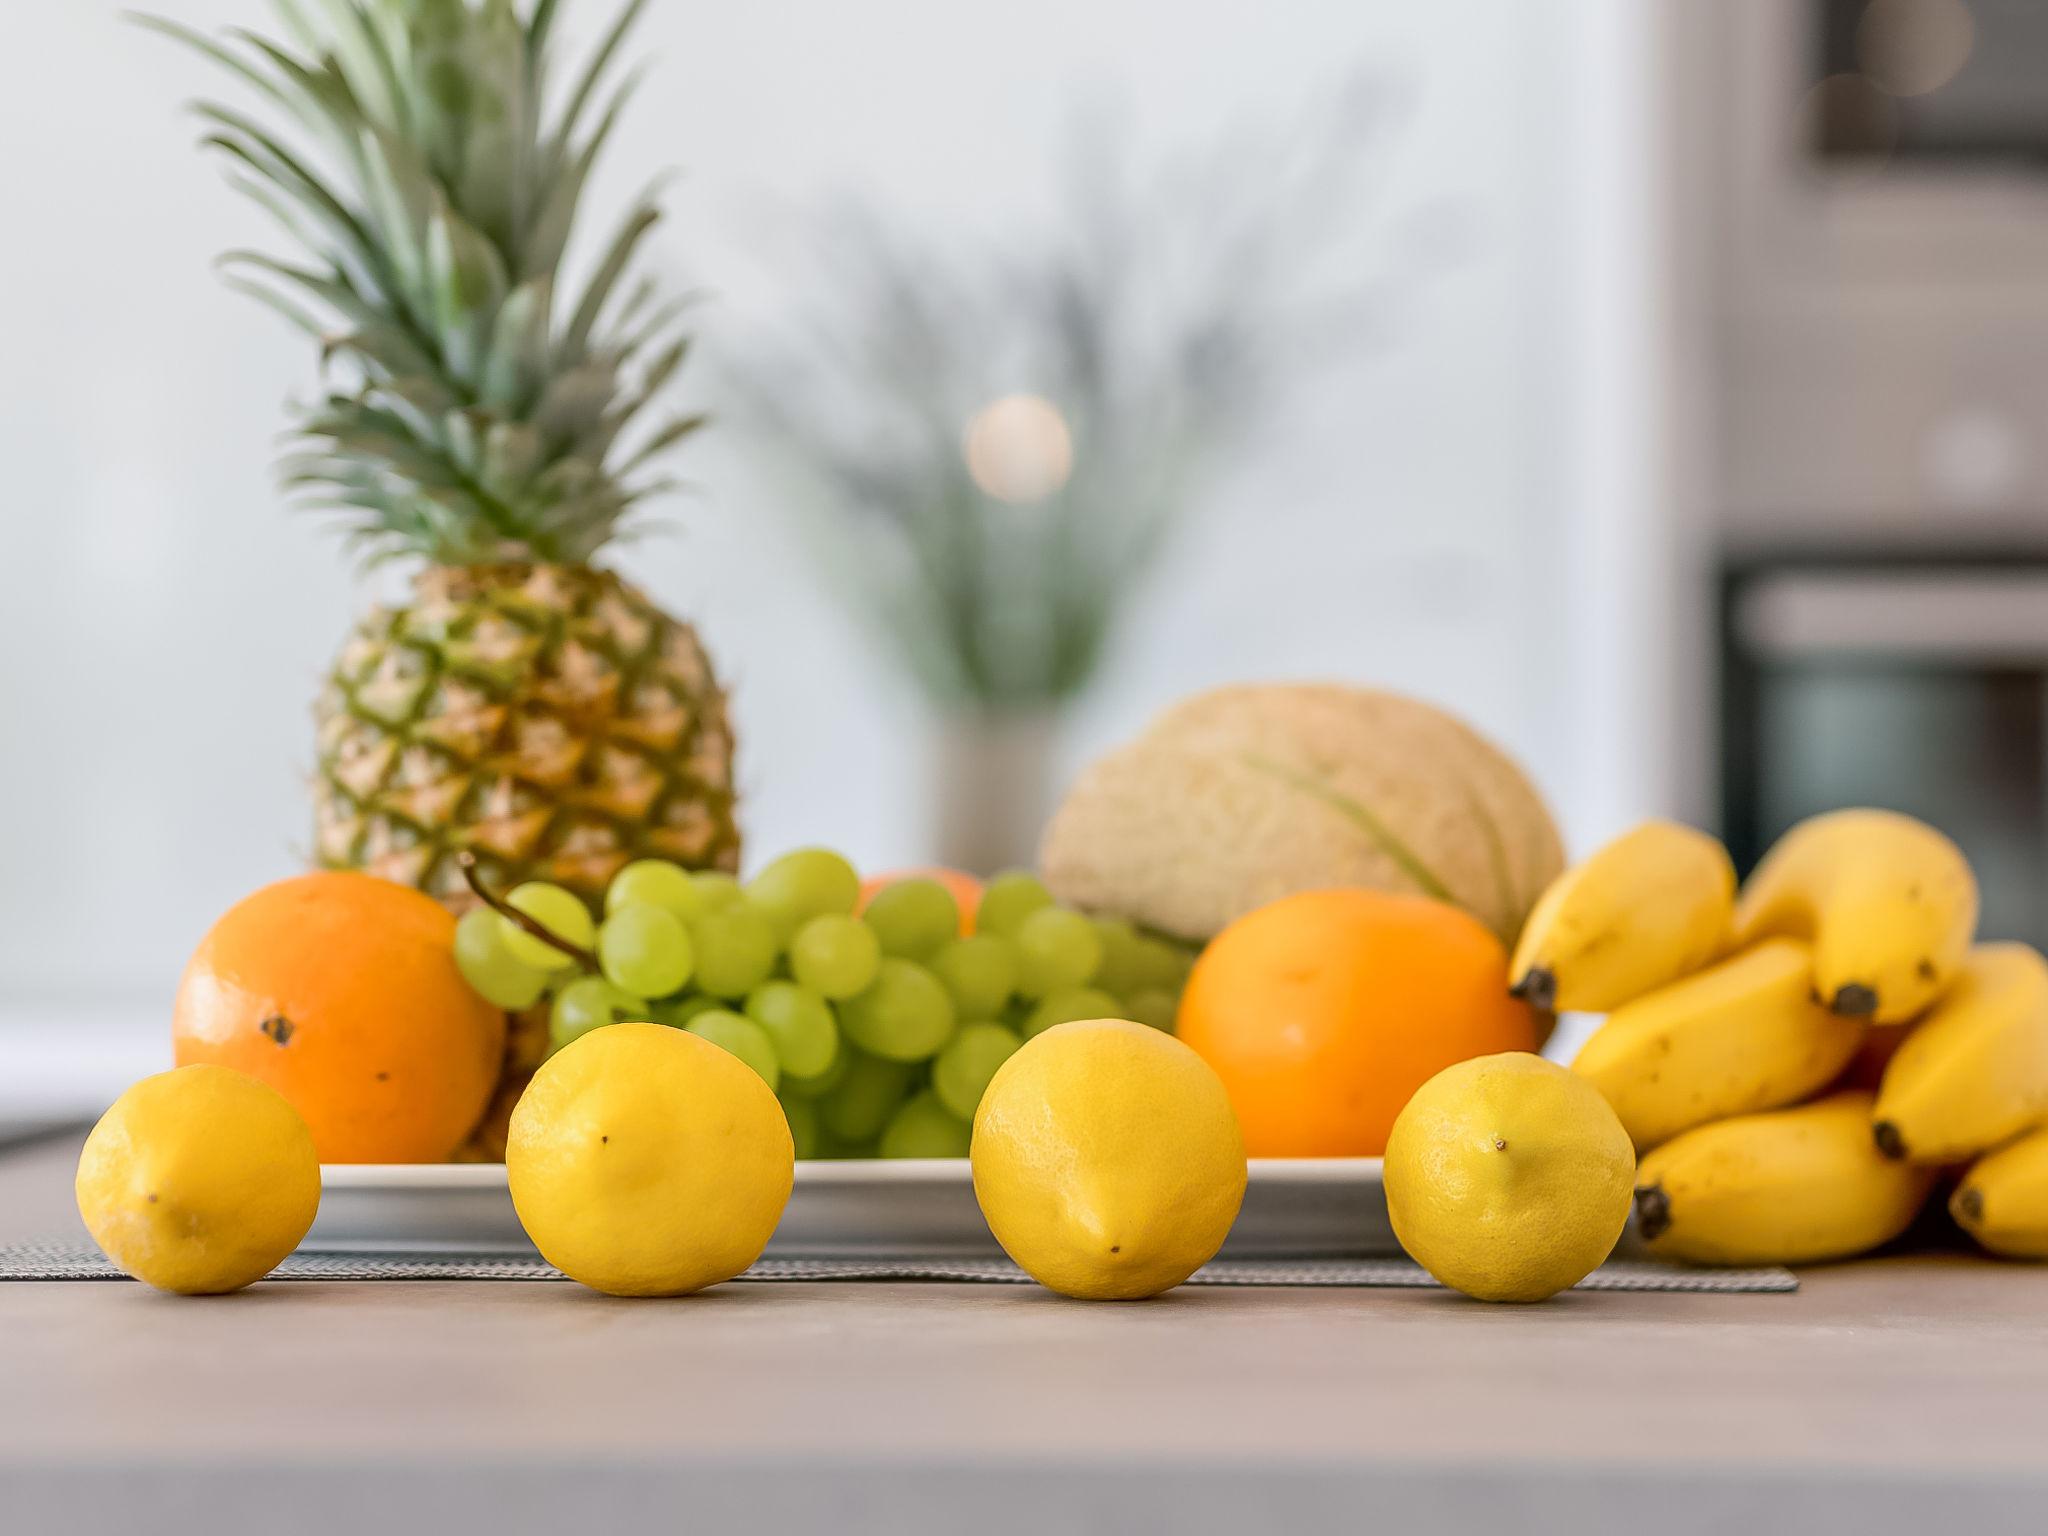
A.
x: 1846, y: 959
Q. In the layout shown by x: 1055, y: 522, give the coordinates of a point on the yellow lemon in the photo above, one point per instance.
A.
x: 199, y: 1180
x: 1107, y: 1160
x: 646, y: 1161
x: 1509, y: 1178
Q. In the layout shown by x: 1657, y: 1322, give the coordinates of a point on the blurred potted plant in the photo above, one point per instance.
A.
x: 996, y: 446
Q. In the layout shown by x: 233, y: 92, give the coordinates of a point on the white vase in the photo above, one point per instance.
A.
x: 994, y: 787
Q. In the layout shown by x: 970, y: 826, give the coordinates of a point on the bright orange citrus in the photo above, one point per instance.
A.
x: 340, y: 991
x: 1324, y: 1011
x: 965, y: 888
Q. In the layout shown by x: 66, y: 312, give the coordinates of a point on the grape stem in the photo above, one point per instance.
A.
x: 466, y: 862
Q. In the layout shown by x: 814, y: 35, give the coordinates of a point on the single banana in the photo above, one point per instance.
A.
x: 1791, y: 1186
x: 1741, y: 1036
x: 1888, y: 903
x: 1974, y: 1073
x: 1648, y: 908
x: 2003, y: 1200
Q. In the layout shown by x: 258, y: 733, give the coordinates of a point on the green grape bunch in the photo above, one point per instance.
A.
x: 878, y: 1025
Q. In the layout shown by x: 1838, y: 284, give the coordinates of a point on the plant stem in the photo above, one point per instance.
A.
x: 466, y: 862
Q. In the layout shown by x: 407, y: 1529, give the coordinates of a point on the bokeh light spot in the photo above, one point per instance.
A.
x: 1019, y: 448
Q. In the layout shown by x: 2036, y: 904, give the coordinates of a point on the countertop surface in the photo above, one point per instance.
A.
x: 1899, y: 1394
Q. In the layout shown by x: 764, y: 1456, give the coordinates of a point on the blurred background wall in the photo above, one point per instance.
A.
x: 1858, y: 224
x: 1463, y: 511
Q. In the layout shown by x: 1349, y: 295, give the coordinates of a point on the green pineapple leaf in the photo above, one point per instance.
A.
x: 419, y: 154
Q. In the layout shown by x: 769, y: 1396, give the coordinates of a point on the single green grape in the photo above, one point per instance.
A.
x: 714, y: 890
x: 652, y: 883
x: 735, y: 951
x: 835, y: 955
x: 794, y: 1087
x: 1007, y: 900
x: 865, y: 1097
x: 961, y: 1072
x: 1160, y: 963
x: 741, y: 1036
x: 558, y: 911
x: 1122, y: 960
x: 799, y: 1022
x: 646, y: 950
x: 1056, y: 948
x: 979, y: 972
x: 912, y: 918
x: 487, y: 963
x: 1152, y: 1005
x: 805, y: 884
x: 802, y: 1116
x: 924, y: 1127
x: 905, y: 1016
x: 678, y: 1011
x: 1069, y: 1004
x: 588, y: 1003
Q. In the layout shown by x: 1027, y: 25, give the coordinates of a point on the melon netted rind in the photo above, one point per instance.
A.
x: 1237, y: 797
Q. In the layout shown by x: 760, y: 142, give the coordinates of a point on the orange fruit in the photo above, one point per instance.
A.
x: 965, y: 888
x: 340, y: 991
x: 1323, y: 1012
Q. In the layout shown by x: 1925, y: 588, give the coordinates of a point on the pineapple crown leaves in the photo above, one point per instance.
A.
x: 432, y: 175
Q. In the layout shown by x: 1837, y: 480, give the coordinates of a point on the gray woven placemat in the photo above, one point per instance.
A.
x: 62, y: 1261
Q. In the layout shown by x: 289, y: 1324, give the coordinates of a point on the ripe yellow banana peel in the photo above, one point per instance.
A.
x: 2003, y: 1200
x: 1888, y: 903
x: 1974, y: 1073
x: 1646, y: 909
x: 1790, y: 1186
x: 1741, y: 1036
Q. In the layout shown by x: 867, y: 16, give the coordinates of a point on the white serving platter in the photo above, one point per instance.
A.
x: 1311, y: 1208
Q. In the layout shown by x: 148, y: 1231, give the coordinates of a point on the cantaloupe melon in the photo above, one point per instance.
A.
x: 1234, y: 798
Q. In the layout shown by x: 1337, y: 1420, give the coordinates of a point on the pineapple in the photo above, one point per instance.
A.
x: 526, y: 707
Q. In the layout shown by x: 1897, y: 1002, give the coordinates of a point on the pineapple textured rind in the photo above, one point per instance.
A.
x: 549, y: 720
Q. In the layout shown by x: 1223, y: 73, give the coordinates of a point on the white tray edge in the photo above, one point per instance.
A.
x: 901, y: 1170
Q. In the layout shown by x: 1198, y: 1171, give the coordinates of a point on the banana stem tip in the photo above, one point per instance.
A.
x: 1653, y: 1212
